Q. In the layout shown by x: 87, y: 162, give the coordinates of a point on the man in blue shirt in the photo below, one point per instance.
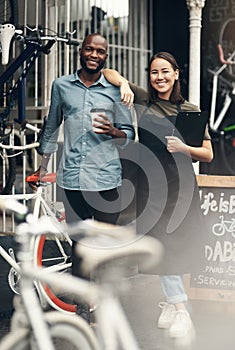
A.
x: 90, y: 170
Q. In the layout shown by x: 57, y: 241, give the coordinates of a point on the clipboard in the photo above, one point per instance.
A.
x: 191, y: 127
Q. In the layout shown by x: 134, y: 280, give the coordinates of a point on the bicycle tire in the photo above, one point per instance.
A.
x: 229, y: 71
x: 42, y: 251
x: 9, y: 12
x: 64, y: 329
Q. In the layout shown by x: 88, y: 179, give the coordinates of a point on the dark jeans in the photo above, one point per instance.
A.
x: 80, y: 205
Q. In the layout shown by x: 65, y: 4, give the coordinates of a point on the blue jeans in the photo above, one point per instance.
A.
x: 173, y: 288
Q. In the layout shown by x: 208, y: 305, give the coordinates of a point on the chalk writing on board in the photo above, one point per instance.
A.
x: 218, y: 206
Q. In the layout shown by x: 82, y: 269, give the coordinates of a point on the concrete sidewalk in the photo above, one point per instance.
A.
x: 214, y: 321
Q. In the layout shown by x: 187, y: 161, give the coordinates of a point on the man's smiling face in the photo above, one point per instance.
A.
x: 93, y: 54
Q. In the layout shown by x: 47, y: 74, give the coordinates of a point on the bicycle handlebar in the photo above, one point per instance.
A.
x: 50, y: 177
x: 8, y: 31
x: 26, y: 125
x: 31, y: 127
x: 38, y: 38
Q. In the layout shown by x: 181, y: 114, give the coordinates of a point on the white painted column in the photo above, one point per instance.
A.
x: 195, y: 18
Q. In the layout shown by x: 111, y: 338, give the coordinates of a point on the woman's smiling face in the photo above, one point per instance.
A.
x: 162, y: 77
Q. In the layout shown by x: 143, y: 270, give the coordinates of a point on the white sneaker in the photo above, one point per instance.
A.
x: 167, y: 315
x: 182, y: 324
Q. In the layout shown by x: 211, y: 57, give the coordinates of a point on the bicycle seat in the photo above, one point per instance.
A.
x: 101, y: 252
x: 94, y: 228
x: 50, y: 177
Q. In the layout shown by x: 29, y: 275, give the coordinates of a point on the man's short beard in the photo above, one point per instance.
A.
x: 91, y: 71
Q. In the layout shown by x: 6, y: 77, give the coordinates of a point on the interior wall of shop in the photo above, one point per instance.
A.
x: 171, y: 33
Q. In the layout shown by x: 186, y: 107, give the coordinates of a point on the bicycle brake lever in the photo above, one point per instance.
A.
x: 4, y: 135
x: 70, y: 41
x: 47, y: 48
x: 73, y: 42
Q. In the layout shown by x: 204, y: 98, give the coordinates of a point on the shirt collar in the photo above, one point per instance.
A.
x: 101, y: 81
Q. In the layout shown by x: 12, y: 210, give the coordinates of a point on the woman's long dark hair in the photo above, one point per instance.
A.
x: 175, y: 96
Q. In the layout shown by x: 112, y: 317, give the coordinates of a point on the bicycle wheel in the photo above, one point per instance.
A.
x: 9, y: 11
x: 226, y: 39
x: 53, y: 253
x: 68, y: 332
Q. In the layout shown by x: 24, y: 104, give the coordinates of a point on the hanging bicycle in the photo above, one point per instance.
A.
x: 223, y: 133
x: 12, y: 80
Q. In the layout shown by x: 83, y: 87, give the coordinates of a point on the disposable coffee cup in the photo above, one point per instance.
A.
x: 96, y: 118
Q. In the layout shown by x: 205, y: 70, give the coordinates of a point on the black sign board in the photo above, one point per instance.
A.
x: 216, y: 281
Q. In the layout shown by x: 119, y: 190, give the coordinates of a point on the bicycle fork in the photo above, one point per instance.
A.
x: 114, y: 326
x: 36, y: 317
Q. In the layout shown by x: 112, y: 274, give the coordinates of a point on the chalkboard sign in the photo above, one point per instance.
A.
x: 216, y: 281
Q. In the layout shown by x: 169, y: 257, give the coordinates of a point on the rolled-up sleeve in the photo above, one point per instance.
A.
x: 48, y: 142
x: 123, y: 120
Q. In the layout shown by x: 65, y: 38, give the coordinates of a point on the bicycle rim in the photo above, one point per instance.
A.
x: 48, y: 254
x: 67, y: 332
x: 9, y: 11
x: 71, y: 330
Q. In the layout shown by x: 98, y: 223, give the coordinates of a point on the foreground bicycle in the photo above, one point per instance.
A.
x: 52, y: 252
x: 105, y: 252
